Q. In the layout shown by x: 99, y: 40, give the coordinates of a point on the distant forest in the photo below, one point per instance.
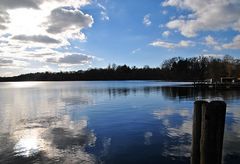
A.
x: 174, y: 69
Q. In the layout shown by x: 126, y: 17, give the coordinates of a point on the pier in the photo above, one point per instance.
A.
x: 223, y: 83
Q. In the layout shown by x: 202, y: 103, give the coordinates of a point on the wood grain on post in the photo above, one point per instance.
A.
x: 196, y: 131
x: 212, y: 132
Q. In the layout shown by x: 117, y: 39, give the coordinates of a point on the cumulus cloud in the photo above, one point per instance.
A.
x: 72, y: 59
x: 146, y: 20
x: 209, y: 40
x: 31, y: 31
x: 235, y: 44
x: 170, y: 45
x: 207, y: 15
x: 166, y: 33
x: 11, y: 4
x: 12, y: 63
x: 4, y: 19
x: 36, y: 4
x: 62, y: 19
x: 36, y: 38
x: 2, y: 27
x: 76, y: 59
x: 5, y: 62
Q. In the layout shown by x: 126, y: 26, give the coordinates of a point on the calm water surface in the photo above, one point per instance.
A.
x: 127, y: 122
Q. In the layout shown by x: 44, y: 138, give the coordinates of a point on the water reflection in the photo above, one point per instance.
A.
x: 105, y: 122
x: 51, y: 139
x: 169, y: 92
x: 147, y: 137
x: 178, y: 127
x: 24, y: 84
x: 189, y: 93
x: 29, y: 142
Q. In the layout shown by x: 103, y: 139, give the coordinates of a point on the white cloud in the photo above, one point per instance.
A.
x: 146, y: 20
x: 33, y: 30
x: 5, y: 62
x: 164, y: 44
x: 71, y: 59
x: 12, y: 4
x: 68, y: 22
x: 207, y: 15
x: 166, y: 33
x: 170, y: 45
x: 36, y: 38
x: 136, y: 50
x: 185, y: 43
x: 209, y: 40
x: 12, y: 63
x: 181, y: 25
x: 104, y: 15
x: 235, y: 44
x: 172, y: 3
x: 164, y: 12
x: 4, y: 18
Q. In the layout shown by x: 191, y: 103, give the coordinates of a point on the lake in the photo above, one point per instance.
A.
x: 113, y: 122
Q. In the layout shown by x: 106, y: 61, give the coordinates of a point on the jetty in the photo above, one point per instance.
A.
x: 222, y: 83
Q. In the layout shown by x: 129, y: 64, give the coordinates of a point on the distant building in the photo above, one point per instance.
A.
x: 208, y: 81
x: 228, y: 80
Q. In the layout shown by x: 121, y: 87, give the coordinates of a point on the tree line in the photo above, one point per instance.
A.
x: 174, y: 69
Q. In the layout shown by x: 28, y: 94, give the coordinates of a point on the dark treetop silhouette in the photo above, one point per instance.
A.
x: 174, y: 69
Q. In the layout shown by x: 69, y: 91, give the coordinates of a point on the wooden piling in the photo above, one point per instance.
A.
x: 212, y: 132
x: 208, y: 132
x: 196, y: 132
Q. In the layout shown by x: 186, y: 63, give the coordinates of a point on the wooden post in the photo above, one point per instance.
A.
x: 208, y: 132
x: 212, y: 132
x: 196, y: 132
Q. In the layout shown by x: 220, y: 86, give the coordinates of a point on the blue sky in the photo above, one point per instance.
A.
x: 55, y: 35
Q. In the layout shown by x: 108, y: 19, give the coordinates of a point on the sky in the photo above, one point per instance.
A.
x: 69, y: 35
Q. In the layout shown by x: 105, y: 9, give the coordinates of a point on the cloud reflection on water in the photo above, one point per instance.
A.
x: 178, y: 127
x: 231, y: 143
x: 147, y: 138
x: 52, y: 139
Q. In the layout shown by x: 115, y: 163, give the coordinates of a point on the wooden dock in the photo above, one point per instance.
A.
x: 216, y: 85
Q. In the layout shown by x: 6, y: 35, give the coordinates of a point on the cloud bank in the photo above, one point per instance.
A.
x: 36, y: 30
x: 205, y: 15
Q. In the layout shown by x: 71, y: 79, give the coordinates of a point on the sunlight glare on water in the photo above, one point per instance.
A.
x: 24, y: 84
x: 29, y: 143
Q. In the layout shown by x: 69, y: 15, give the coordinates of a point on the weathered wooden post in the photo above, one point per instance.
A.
x: 196, y: 132
x: 208, y: 131
x: 212, y: 132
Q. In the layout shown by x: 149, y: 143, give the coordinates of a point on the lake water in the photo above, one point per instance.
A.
x: 120, y: 122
